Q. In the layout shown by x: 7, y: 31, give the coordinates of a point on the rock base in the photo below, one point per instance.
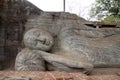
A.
x: 98, y: 74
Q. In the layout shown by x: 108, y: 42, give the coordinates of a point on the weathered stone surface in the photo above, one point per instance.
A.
x: 54, y: 21
x: 27, y: 60
x: 38, y: 39
x: 13, y: 16
x: 63, y: 60
x: 102, y: 51
x: 74, y: 41
x: 32, y: 60
x: 97, y: 47
x: 105, y: 71
x: 105, y: 77
x: 13, y: 78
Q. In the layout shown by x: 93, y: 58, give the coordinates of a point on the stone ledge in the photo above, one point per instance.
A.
x: 14, y: 78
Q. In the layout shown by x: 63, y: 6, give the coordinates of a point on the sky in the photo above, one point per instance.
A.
x: 79, y: 7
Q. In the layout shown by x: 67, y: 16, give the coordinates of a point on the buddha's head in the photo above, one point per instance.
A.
x: 38, y: 39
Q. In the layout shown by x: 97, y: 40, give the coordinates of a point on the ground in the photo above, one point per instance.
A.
x: 97, y: 74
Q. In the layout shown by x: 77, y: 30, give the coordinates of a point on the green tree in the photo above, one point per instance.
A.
x: 106, y: 9
x: 112, y: 20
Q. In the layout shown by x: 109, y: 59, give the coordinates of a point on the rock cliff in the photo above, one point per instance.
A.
x: 13, y: 16
x: 73, y: 40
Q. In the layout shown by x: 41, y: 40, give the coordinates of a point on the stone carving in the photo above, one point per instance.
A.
x: 102, y: 49
x: 27, y: 60
x: 41, y: 41
x: 79, y: 47
x: 38, y: 39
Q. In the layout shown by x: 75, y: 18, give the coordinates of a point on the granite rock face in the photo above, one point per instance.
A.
x: 80, y: 48
x: 101, y: 50
x: 54, y: 21
x: 77, y: 47
x: 13, y: 16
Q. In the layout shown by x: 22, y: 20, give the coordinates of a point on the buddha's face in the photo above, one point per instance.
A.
x: 38, y: 39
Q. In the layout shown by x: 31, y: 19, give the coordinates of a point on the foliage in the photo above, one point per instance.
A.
x: 112, y: 20
x: 105, y: 9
